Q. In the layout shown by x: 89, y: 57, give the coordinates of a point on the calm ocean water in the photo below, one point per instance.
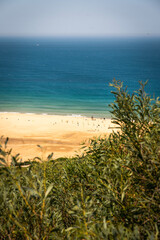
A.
x: 72, y: 76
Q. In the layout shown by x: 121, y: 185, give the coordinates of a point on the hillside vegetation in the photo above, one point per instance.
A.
x: 112, y: 191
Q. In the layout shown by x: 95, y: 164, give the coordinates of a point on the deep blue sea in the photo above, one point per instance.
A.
x: 72, y: 76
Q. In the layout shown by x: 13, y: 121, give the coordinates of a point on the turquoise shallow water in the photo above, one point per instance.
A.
x: 72, y: 76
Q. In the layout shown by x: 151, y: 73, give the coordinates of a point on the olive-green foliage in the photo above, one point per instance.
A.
x: 112, y: 191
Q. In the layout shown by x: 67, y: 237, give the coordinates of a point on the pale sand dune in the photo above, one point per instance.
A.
x: 61, y: 135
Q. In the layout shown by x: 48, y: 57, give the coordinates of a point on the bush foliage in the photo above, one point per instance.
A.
x: 112, y: 191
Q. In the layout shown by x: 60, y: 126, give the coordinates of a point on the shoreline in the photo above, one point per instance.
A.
x: 56, y: 114
x: 60, y: 134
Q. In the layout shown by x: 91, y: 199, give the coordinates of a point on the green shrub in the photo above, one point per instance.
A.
x: 109, y: 192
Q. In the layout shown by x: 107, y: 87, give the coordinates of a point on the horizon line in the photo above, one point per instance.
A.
x: 80, y: 36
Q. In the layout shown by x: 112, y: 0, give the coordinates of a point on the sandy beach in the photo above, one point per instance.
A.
x: 61, y: 135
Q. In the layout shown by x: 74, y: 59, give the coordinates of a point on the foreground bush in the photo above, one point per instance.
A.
x: 112, y: 191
